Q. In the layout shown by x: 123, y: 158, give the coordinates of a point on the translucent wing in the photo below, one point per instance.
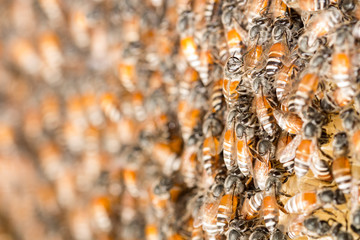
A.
x: 290, y: 150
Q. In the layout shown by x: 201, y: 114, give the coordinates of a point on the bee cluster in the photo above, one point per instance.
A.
x: 180, y: 119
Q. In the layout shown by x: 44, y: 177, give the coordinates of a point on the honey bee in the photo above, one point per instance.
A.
x: 288, y: 121
x: 314, y: 227
x: 295, y: 226
x: 319, y: 26
x: 229, y: 143
x: 228, y: 203
x: 243, y: 143
x: 278, y: 50
x: 232, y: 80
x: 264, y: 111
x: 207, y: 216
x: 101, y: 209
x: 217, y: 98
x: 341, y: 69
x: 304, y: 93
x: 262, y: 165
x: 190, y: 164
x: 284, y: 78
x: 341, y: 170
x: 256, y: 9
x: 306, y: 202
x: 270, y: 209
x: 278, y: 10
x: 110, y: 107
x: 235, y: 34
x: 187, y: 42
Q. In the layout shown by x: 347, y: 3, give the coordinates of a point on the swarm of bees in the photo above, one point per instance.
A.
x: 180, y: 119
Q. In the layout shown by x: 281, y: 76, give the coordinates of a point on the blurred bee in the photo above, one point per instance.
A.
x: 217, y: 98
x: 79, y: 28
x: 235, y: 34
x: 110, y: 107
x: 190, y: 163
x: 25, y: 56
x: 306, y: 202
x: 342, y: 69
x: 295, y: 226
x: 126, y: 68
x: 314, y: 227
x: 270, y: 209
x: 341, y: 168
x: 187, y: 41
x: 53, y: 10
x: 318, y: 26
x: 101, y: 210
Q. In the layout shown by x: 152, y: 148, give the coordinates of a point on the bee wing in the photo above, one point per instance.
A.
x: 290, y: 150
x: 215, y: 146
x: 210, y: 210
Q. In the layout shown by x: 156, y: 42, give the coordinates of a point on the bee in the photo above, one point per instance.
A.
x: 270, y: 210
x: 243, y: 151
x: 284, y: 78
x: 187, y: 42
x: 306, y: 202
x: 228, y: 203
x: 217, y: 98
x: 254, y: 57
x: 341, y: 170
x: 252, y: 206
x: 259, y: 233
x: 25, y: 56
x: 288, y: 121
x: 314, y: 227
x: 262, y: 165
x: 235, y: 34
x: 185, y: 86
x: 229, y: 143
x: 126, y: 68
x: 111, y: 107
x: 304, y: 93
x: 279, y: 50
x: 207, y: 216
x: 101, y: 209
x: 189, y: 162
x: 295, y: 226
x: 256, y: 9
x: 232, y: 80
x: 341, y: 69
x: 264, y: 111
x: 319, y: 25
x: 278, y: 10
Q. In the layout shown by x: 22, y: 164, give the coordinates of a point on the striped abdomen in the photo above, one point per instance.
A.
x: 276, y: 52
x: 302, y: 158
x: 243, y: 157
x: 321, y: 170
x: 282, y: 80
x: 305, y: 92
x: 341, y: 170
x: 252, y: 206
x: 190, y: 51
x: 235, y: 43
x: 301, y: 202
x: 230, y: 92
x: 229, y: 150
x: 226, y: 210
x: 217, y: 98
x: 289, y: 122
x: 265, y: 114
x: 271, y: 211
x: 340, y: 68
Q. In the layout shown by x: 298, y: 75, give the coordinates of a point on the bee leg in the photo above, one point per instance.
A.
x: 281, y: 207
x: 248, y: 181
x: 285, y: 194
